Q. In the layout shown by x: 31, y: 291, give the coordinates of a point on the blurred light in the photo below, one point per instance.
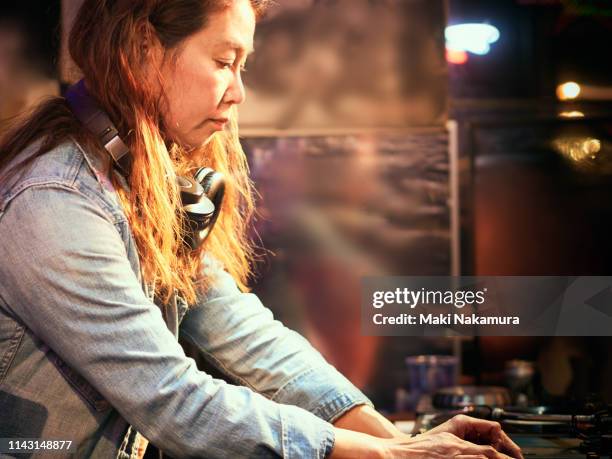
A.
x: 454, y: 56
x: 474, y: 38
x: 594, y: 92
x: 572, y: 114
x: 578, y: 148
x: 568, y: 91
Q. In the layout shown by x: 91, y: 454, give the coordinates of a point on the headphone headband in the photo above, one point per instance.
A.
x: 201, y: 196
x: 87, y: 111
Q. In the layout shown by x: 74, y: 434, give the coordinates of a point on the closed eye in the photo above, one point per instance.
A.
x: 229, y: 65
x: 224, y: 65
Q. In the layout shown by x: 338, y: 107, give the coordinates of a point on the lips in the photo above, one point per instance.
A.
x: 219, y: 123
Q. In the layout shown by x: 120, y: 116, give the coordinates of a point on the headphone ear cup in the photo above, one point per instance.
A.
x: 201, y: 174
x: 191, y: 191
x: 213, y: 184
x: 198, y: 222
x: 202, y: 199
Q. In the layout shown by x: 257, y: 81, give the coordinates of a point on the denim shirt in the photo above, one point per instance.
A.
x: 87, y: 356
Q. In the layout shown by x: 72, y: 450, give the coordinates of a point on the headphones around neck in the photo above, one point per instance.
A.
x: 201, y: 196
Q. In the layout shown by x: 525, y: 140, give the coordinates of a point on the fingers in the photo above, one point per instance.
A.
x: 488, y: 451
x: 510, y: 447
x: 448, y: 445
x: 482, y: 431
x: 489, y: 430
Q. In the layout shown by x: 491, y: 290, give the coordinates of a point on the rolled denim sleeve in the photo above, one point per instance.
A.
x: 240, y: 337
x: 65, y: 274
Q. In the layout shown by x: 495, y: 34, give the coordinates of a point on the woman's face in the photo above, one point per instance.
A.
x: 205, y: 81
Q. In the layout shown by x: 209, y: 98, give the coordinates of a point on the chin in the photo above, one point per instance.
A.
x: 194, y: 143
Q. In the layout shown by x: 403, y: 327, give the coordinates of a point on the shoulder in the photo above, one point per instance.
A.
x: 66, y: 166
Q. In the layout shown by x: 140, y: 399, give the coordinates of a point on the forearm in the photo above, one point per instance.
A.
x: 349, y: 444
x: 364, y: 418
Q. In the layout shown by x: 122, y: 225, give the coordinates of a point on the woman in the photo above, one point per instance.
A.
x: 96, y: 283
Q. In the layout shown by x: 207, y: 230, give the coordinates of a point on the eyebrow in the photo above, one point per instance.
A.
x: 235, y: 46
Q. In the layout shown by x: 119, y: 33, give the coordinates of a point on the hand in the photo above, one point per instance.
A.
x: 433, y: 445
x: 481, y: 432
x: 437, y: 445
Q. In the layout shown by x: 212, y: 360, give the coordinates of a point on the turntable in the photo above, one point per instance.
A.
x: 545, y: 432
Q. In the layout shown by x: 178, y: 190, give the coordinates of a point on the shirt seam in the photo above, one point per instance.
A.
x: 73, y: 166
x: 284, y: 435
x: 115, y: 220
x: 328, y: 443
x: 16, y: 343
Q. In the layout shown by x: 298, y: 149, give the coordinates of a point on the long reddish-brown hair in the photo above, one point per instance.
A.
x: 106, y: 42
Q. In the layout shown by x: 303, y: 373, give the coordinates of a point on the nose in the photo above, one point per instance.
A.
x: 235, y: 93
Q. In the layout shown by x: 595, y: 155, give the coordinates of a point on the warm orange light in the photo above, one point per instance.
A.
x: 568, y: 91
x: 578, y: 148
x: 454, y: 56
x: 572, y: 114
